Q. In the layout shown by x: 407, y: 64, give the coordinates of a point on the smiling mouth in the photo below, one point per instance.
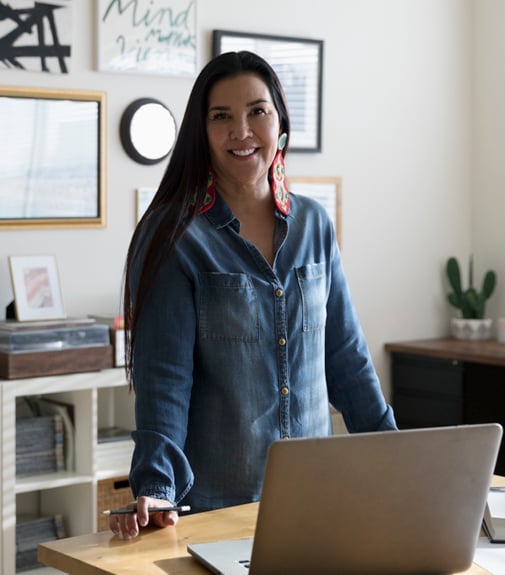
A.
x: 243, y: 153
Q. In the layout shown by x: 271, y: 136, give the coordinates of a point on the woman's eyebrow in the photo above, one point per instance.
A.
x: 249, y: 104
x: 219, y: 108
x: 258, y: 101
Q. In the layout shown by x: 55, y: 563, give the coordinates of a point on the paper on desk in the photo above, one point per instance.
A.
x: 496, y: 502
x: 491, y: 556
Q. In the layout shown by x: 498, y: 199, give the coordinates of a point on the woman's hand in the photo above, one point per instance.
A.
x: 127, y: 526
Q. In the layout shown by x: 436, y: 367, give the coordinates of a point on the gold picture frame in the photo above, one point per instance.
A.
x: 52, y: 158
x: 327, y: 191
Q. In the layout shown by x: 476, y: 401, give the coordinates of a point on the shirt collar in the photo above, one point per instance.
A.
x: 221, y: 215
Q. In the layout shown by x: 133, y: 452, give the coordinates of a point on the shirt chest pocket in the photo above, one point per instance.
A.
x: 312, y: 283
x: 228, y: 308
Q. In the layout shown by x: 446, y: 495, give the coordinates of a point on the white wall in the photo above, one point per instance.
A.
x: 488, y: 137
x: 396, y: 128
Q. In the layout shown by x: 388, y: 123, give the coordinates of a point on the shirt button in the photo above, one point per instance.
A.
x: 284, y: 390
x: 282, y: 341
x: 279, y: 292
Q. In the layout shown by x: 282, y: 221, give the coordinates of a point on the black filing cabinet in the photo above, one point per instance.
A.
x: 435, y: 391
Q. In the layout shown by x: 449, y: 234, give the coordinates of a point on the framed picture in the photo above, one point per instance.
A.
x: 52, y: 158
x: 299, y: 64
x: 144, y: 197
x: 36, y: 36
x: 327, y: 191
x: 36, y: 287
x: 147, y: 37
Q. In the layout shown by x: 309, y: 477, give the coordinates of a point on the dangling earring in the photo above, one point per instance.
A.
x: 278, y: 178
x: 210, y: 195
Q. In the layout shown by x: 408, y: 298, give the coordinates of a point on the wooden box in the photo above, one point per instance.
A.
x: 41, y: 363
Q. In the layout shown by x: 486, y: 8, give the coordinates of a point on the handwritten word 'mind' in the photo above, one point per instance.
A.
x: 159, y: 17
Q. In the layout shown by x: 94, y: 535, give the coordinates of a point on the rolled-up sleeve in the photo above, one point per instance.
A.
x: 162, y: 380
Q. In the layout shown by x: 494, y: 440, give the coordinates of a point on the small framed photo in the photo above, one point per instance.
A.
x: 36, y: 286
x: 328, y: 192
x: 144, y: 197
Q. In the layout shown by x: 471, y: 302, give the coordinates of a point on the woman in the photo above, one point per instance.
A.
x: 242, y: 326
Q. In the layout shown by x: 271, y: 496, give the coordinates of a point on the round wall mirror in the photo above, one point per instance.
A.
x: 147, y: 131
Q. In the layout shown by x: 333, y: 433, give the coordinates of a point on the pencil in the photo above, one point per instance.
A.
x: 124, y: 511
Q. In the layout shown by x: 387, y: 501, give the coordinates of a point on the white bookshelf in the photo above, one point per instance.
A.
x: 100, y: 399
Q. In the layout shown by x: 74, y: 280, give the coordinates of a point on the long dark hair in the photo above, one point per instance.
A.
x: 184, y: 184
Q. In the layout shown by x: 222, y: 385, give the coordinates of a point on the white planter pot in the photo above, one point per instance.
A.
x: 471, y: 329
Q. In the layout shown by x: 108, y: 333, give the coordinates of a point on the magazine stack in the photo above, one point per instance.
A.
x: 44, y: 436
x: 30, y: 531
x: 40, y: 445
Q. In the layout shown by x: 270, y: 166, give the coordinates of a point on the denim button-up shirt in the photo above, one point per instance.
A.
x: 232, y: 353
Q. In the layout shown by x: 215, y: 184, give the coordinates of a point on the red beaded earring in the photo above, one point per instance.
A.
x: 278, y: 178
x: 210, y: 196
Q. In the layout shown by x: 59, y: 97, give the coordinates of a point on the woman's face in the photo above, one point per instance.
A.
x: 242, y: 129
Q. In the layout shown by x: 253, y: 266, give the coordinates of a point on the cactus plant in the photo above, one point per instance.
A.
x: 469, y: 301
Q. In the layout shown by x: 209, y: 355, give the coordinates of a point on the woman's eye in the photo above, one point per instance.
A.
x: 258, y: 111
x: 218, y: 116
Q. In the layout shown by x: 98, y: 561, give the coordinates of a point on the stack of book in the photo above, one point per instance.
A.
x: 30, y: 531
x: 114, y: 449
x: 45, y: 435
x: 40, y: 445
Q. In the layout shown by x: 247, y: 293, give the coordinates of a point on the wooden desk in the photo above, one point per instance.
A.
x: 490, y: 352
x: 448, y: 382
x: 154, y: 551
x: 159, y: 551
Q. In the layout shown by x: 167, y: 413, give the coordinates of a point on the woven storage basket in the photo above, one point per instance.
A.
x: 112, y: 493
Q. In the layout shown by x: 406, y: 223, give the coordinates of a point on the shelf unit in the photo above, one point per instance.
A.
x: 100, y: 399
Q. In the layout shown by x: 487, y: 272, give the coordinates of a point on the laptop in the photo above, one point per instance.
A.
x: 386, y: 503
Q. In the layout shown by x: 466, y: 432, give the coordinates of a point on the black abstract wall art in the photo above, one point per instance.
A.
x: 35, y: 36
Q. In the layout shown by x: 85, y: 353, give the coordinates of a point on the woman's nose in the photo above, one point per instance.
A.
x: 240, y: 129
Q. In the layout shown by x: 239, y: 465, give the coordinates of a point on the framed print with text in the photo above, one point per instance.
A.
x: 147, y: 37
